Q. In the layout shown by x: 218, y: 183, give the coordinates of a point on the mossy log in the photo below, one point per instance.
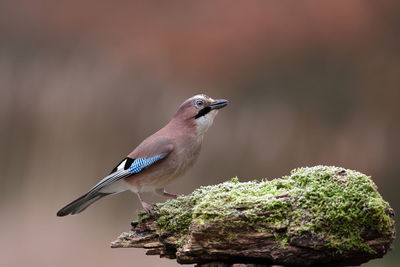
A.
x: 318, y: 216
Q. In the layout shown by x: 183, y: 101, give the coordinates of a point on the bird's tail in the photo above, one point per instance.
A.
x: 80, y: 204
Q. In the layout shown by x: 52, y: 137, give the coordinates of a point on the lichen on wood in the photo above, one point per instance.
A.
x: 316, y: 215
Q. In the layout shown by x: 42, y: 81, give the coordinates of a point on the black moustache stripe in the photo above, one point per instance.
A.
x: 202, y: 112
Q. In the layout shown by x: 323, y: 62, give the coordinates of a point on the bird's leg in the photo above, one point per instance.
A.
x: 163, y: 193
x: 146, y: 206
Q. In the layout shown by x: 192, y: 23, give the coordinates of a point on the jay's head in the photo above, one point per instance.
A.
x: 200, y: 110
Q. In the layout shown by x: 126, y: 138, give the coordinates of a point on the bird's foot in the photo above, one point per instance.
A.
x: 170, y: 195
x: 148, y: 208
x: 163, y: 193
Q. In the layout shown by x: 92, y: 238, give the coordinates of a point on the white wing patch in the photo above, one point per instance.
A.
x: 121, y: 165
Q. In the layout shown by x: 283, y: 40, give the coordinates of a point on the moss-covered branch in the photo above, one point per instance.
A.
x: 318, y: 215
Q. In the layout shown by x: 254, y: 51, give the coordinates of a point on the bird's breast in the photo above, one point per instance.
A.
x: 187, y: 157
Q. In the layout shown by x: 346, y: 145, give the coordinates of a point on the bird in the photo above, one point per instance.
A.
x: 159, y: 159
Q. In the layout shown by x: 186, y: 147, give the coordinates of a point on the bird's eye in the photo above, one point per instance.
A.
x: 199, y: 103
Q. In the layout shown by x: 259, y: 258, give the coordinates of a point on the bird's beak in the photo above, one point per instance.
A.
x: 218, y: 103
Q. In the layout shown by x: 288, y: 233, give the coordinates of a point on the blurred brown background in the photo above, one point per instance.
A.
x: 83, y: 82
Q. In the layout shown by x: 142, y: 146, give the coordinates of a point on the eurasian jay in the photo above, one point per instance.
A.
x: 160, y: 158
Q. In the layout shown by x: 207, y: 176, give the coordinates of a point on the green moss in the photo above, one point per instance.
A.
x: 335, y: 204
x: 230, y: 237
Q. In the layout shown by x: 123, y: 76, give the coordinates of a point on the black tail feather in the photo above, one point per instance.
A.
x: 80, y: 204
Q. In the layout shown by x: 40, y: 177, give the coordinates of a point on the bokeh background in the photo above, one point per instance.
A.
x: 83, y: 82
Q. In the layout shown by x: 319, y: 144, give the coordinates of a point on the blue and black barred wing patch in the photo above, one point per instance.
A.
x: 140, y: 163
x: 124, y: 169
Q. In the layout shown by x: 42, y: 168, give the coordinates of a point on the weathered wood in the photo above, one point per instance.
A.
x: 247, y: 247
x: 239, y: 241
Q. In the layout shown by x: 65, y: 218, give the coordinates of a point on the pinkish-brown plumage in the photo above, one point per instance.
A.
x: 160, y: 158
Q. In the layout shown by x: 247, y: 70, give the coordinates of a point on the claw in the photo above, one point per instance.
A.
x: 147, y: 207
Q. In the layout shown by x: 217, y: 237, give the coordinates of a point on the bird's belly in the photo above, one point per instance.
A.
x: 149, y: 180
x: 155, y: 178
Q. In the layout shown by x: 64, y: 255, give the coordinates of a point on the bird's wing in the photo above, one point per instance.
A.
x: 127, y: 167
x: 150, y: 151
